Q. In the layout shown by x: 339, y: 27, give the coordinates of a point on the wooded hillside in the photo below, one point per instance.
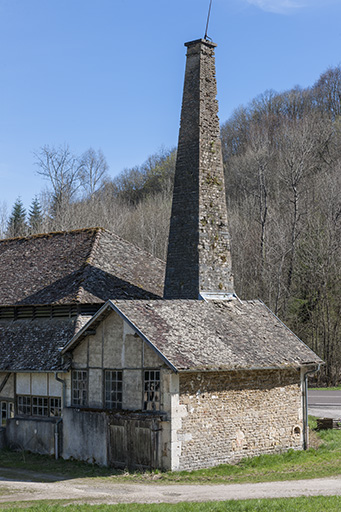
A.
x: 282, y: 157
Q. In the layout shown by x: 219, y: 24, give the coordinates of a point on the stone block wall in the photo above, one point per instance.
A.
x: 199, y: 258
x: 226, y: 416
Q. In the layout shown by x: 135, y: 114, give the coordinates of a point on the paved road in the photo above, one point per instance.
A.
x: 95, y: 492
x: 325, y: 403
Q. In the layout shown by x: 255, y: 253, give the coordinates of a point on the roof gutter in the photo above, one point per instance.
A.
x: 246, y: 368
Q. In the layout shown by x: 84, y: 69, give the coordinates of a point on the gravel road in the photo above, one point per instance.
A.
x: 95, y: 492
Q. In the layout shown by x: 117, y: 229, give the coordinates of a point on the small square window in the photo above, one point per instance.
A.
x: 151, y: 396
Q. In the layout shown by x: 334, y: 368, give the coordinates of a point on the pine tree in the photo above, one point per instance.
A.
x: 35, y: 217
x: 17, y: 225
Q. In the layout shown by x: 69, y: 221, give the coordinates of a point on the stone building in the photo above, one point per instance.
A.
x: 180, y: 376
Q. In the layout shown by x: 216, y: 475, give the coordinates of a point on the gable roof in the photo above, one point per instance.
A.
x: 214, y: 335
x: 76, y: 267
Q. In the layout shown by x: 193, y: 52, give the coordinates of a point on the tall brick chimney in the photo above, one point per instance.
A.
x: 199, y: 259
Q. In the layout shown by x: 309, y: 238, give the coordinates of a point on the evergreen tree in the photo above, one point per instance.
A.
x: 35, y: 217
x: 17, y: 225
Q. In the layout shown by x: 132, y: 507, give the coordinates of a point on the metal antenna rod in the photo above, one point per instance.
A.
x: 208, y: 19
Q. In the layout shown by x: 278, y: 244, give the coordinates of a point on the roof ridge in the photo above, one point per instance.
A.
x: 52, y: 233
x: 88, y: 262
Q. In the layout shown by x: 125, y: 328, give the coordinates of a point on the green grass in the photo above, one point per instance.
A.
x: 323, y: 461
x: 335, y: 388
x: 311, y: 504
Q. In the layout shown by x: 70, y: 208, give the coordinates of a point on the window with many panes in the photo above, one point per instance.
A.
x: 24, y: 405
x: 151, y: 394
x: 113, y: 389
x: 79, y: 387
x: 42, y: 406
x: 55, y: 407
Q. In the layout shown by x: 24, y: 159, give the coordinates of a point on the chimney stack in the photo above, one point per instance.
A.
x: 199, y: 259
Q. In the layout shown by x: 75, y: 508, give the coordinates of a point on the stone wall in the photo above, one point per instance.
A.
x: 226, y: 416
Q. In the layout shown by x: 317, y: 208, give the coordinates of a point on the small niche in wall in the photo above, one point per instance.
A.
x: 296, y: 430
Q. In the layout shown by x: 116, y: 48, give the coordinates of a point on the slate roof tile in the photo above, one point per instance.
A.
x: 81, y: 266
x: 194, y: 334
x: 34, y: 345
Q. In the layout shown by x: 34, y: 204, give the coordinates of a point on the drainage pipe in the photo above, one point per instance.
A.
x: 56, y: 438
x: 305, y: 406
x: 56, y: 426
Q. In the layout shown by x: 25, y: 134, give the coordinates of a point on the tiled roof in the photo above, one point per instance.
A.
x: 82, y: 266
x: 194, y: 335
x: 34, y: 344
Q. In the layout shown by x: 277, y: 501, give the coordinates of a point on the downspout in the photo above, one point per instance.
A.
x: 305, y: 406
x: 56, y: 425
x: 56, y: 438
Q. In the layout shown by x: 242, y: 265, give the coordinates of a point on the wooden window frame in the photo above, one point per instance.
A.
x: 79, y: 388
x: 151, y: 390
x: 113, y: 389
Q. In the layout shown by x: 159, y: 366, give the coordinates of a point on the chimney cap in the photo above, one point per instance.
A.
x: 202, y: 41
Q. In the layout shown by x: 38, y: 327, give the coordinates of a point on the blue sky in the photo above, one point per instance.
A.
x: 108, y: 74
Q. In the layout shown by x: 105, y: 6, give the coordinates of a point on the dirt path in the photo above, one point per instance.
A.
x: 92, y: 491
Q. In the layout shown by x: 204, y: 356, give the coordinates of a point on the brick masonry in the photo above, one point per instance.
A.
x: 227, y: 416
x: 199, y: 257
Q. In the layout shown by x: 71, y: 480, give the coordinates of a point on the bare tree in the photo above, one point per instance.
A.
x: 62, y: 169
x: 92, y: 172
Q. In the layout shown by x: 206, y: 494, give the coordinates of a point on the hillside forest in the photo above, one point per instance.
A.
x: 282, y: 162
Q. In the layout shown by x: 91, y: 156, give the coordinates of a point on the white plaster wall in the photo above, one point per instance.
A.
x: 112, y: 331
x: 132, y: 357
x: 150, y: 358
x: 132, y: 390
x: 55, y: 387
x: 95, y: 351
x: 23, y: 384
x: 80, y: 355
x: 39, y: 384
x: 95, y: 388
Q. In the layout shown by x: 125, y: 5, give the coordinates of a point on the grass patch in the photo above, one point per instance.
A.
x: 48, y: 465
x: 333, y: 388
x: 303, y: 504
x: 324, y: 460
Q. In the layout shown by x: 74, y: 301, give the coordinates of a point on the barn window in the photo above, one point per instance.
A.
x: 113, y: 389
x: 55, y: 407
x: 44, y: 406
x: 40, y: 406
x: 24, y: 405
x: 151, y: 396
x: 79, y: 387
